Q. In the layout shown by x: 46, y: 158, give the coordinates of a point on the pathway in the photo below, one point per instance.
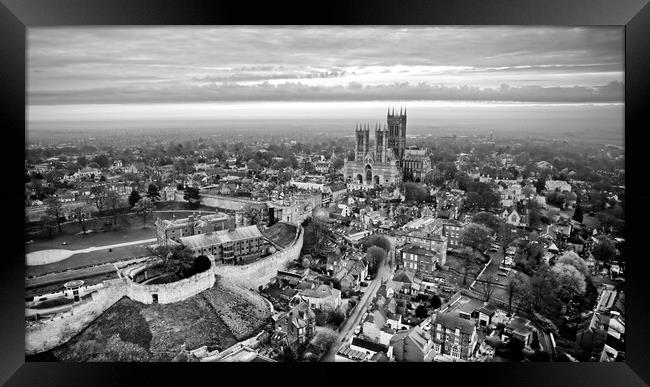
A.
x: 43, y: 257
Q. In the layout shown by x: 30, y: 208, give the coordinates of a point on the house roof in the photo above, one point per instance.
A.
x: 220, y: 237
x: 452, y: 322
x: 419, y: 337
x: 321, y: 291
x: 372, y: 346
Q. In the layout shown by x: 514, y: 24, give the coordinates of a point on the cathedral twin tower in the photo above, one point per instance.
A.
x: 392, y: 136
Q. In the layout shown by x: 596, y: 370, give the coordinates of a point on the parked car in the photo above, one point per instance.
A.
x: 357, y: 330
x: 64, y: 243
x: 368, y: 278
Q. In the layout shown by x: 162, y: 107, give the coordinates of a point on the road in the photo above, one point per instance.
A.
x: 347, y: 328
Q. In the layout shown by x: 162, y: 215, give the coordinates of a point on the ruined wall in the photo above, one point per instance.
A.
x: 171, y: 292
x: 46, y: 334
x: 260, y: 273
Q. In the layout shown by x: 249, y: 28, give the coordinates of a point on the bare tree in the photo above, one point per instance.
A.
x: 469, y: 263
x: 144, y: 207
x: 80, y: 214
x: 114, y: 202
x: 54, y: 210
x: 488, y: 285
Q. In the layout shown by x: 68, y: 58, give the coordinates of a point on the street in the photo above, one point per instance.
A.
x: 346, y: 329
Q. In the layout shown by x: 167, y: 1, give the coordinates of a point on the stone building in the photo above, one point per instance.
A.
x: 388, y: 161
x: 173, y: 230
x: 233, y: 245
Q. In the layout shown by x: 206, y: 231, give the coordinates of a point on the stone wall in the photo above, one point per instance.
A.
x: 228, y: 203
x: 170, y: 292
x: 46, y: 334
x: 260, y: 273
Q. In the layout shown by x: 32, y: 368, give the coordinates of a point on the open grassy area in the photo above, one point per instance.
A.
x: 132, y: 331
x: 281, y: 233
x: 88, y: 259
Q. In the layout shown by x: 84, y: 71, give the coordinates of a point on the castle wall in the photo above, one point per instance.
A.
x: 46, y: 334
x: 228, y: 203
x: 43, y: 335
x: 170, y: 292
x: 260, y: 273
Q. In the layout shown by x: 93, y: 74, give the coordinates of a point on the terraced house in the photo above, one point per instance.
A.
x: 454, y: 336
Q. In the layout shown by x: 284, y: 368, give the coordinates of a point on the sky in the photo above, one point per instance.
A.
x: 99, y: 74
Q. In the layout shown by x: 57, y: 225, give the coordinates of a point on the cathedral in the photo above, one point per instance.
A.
x: 388, y: 161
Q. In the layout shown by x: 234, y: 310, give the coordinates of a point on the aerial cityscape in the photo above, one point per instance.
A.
x: 325, y: 194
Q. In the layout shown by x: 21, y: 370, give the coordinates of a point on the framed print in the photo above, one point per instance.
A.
x: 437, y: 186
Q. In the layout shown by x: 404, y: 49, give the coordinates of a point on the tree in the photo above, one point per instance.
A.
x: 517, y: 287
x: 379, y: 241
x: 336, y: 317
x: 114, y: 203
x: 134, y: 198
x: 98, y: 196
x: 541, y: 290
x: 540, y: 185
x: 488, y: 286
x: 487, y: 219
x: 144, y: 207
x: 573, y: 259
x: 54, y: 210
x: 102, y: 161
x: 375, y: 257
x: 603, y: 250
x: 421, y: 311
x: 192, y: 195
x: 475, y: 236
x: 153, y: 192
x: 568, y: 281
x: 324, y: 339
x: 469, y: 262
x: 80, y: 215
x: 201, y: 264
x: 435, y: 301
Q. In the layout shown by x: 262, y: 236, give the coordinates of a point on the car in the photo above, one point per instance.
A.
x: 364, y: 284
x: 64, y: 243
x: 30, y: 241
x: 368, y: 278
x: 357, y: 330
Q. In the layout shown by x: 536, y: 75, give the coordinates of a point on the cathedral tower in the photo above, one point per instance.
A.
x: 362, y: 141
x: 397, y: 132
x: 381, y: 143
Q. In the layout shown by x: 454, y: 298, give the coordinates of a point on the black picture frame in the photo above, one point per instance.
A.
x: 16, y: 16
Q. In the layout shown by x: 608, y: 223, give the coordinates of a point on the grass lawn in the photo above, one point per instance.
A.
x: 54, y: 287
x: 131, y: 228
x: 88, y: 259
x: 131, y: 331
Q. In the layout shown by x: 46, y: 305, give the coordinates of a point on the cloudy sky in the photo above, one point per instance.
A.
x: 77, y: 71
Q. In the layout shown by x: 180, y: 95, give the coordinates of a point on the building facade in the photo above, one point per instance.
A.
x: 388, y: 161
x: 231, y: 246
x: 454, y: 336
x: 173, y: 230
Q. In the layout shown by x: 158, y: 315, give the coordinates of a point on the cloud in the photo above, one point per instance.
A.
x: 120, y: 65
x: 296, y: 91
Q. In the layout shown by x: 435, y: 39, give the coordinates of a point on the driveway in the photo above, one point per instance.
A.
x: 346, y: 329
